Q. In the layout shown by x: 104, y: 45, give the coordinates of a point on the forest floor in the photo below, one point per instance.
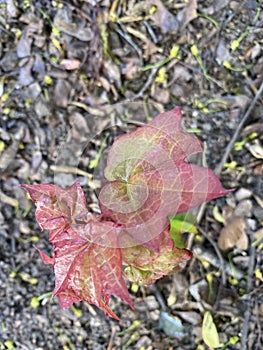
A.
x: 76, y: 74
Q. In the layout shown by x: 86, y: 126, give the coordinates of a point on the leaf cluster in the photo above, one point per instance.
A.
x: 148, y: 180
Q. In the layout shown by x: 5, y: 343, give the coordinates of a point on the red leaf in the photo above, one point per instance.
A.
x: 87, y: 261
x: 46, y: 259
x: 56, y: 208
x: 149, y: 177
x: 87, y: 270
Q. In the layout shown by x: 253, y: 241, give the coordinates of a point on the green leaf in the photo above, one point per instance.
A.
x: 217, y: 215
x: 209, y: 331
x: 181, y: 223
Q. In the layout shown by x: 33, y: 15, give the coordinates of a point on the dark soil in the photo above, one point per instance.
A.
x: 75, y: 73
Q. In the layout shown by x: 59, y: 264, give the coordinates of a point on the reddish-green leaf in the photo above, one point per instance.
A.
x: 92, y: 271
x: 87, y: 261
x: 57, y: 208
x: 150, y: 178
x: 145, y: 265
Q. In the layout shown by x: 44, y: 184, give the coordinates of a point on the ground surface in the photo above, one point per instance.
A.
x: 62, y: 64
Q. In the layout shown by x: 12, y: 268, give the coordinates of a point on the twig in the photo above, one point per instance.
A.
x: 113, y: 333
x: 70, y: 170
x: 126, y: 37
x: 222, y: 265
x: 221, y: 259
x: 144, y: 88
x: 159, y: 297
x: 8, y: 200
x: 260, y: 337
x: 238, y: 130
x: 244, y: 337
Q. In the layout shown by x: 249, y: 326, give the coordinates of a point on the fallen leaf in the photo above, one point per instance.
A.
x: 9, y: 61
x: 256, y: 149
x: 112, y: 72
x: 243, y: 193
x: 61, y: 93
x: 209, y: 331
x: 234, y: 235
x: 188, y: 14
x: 163, y: 18
x: 72, y: 29
x: 11, y: 9
x: 222, y: 52
x: 25, y: 75
x: 23, y: 48
x: 39, y: 66
x: 190, y: 317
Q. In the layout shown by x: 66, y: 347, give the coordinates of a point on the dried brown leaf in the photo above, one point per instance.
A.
x: 113, y: 72
x: 256, y: 149
x: 234, y: 235
x: 62, y: 91
x: 222, y: 52
x: 188, y: 14
x: 25, y: 76
x: 163, y: 18
x: 11, y: 9
x: 83, y: 34
x: 23, y: 48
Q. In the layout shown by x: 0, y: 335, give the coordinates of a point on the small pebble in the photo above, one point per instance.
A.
x: 252, y: 224
x: 152, y: 302
x: 155, y: 315
x: 24, y: 227
x: 244, y: 208
x: 243, y: 193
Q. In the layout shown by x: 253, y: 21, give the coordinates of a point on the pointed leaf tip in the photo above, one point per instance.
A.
x: 46, y: 259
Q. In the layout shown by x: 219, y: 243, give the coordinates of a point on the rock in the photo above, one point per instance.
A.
x: 152, y: 302
x: 244, y: 208
x: 190, y: 317
x: 243, y: 193
x: 171, y: 325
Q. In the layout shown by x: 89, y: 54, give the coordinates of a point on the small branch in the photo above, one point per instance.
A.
x: 144, y: 88
x: 159, y: 297
x: 70, y: 170
x: 251, y: 265
x: 218, y: 253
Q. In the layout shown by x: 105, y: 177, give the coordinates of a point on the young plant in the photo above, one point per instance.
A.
x: 148, y: 179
